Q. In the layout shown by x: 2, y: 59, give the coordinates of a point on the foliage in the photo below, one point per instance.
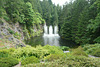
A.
x: 64, y: 48
x: 4, y: 53
x: 53, y: 57
x: 79, y: 21
x: 92, y: 49
x: 97, y: 39
x: 79, y: 52
x: 38, y: 52
x: 30, y: 60
x: 97, y: 52
x: 17, y: 35
x: 53, y: 49
x: 28, y: 51
x: 11, y: 31
x: 75, y: 61
x: 8, y: 62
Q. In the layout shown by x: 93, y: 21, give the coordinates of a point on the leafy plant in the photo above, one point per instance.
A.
x: 91, y: 49
x: 30, y: 60
x: 53, y: 57
x: 11, y: 31
x: 8, y: 62
x: 4, y: 53
x: 97, y: 39
x: 64, y: 48
x: 75, y: 61
x: 97, y: 52
x: 79, y: 51
x: 17, y: 35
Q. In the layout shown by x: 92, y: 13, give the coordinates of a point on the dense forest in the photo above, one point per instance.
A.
x: 78, y: 21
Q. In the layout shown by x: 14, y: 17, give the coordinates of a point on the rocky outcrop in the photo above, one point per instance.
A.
x: 11, y: 32
x: 15, y: 33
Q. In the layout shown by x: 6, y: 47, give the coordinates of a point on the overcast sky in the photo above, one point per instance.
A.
x: 60, y: 2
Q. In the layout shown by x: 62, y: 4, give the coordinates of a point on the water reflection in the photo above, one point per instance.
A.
x: 52, y: 38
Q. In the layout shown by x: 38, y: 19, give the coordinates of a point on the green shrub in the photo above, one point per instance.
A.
x: 97, y: 39
x: 11, y: 31
x: 64, y: 48
x: 38, y: 52
x: 53, y: 57
x: 53, y: 49
x: 4, y: 53
x: 30, y: 60
x: 28, y: 51
x: 75, y: 61
x: 89, y: 46
x: 79, y: 52
x: 17, y: 35
x: 6, y: 18
x: 91, y: 49
x: 97, y: 52
x: 8, y: 62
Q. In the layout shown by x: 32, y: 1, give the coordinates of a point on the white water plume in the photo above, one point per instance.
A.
x: 50, y: 38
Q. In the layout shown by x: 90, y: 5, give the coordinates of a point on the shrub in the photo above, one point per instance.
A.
x: 64, y: 48
x: 53, y: 49
x: 4, y: 53
x: 76, y: 61
x: 30, y: 60
x: 17, y: 35
x: 8, y: 62
x: 79, y: 51
x: 89, y: 46
x: 91, y: 49
x: 97, y: 39
x: 97, y: 52
x: 28, y: 51
x: 11, y: 31
x: 6, y: 18
x: 53, y: 57
x: 38, y: 52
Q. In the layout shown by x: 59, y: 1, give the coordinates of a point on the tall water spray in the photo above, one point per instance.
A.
x: 45, y: 29
x: 50, y: 30
x: 55, y: 30
x: 50, y: 38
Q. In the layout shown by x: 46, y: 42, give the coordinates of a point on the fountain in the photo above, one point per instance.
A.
x: 51, y: 38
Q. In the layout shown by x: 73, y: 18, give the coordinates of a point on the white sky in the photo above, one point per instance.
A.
x: 60, y: 2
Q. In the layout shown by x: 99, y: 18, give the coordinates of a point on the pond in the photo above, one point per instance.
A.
x: 50, y: 37
x: 39, y: 40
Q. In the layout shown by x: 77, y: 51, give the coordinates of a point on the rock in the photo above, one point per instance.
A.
x: 5, y: 31
x: 10, y: 38
x: 92, y: 56
x: 1, y: 36
x: 22, y: 45
x: 66, y: 51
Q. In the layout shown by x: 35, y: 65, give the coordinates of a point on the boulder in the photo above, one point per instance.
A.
x: 11, y: 38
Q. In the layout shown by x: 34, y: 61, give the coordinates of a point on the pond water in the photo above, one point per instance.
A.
x: 40, y: 41
x: 50, y: 37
